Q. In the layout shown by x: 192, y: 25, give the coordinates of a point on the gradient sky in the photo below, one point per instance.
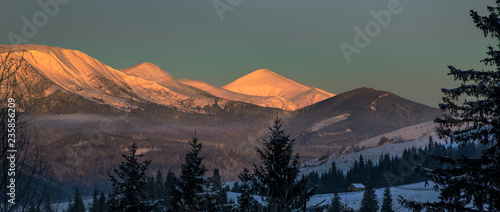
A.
x: 298, y: 39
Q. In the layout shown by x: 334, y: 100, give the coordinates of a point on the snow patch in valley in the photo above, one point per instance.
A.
x: 373, y: 104
x: 140, y: 151
x: 318, y: 125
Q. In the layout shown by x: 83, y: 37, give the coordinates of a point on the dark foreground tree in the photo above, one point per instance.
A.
x: 335, y: 205
x: 191, y: 188
x: 277, y: 178
x: 246, y: 202
x: 471, y: 114
x: 95, y: 202
x: 128, y: 184
x: 387, y: 202
x: 77, y: 205
x: 98, y: 202
x: 219, y: 193
x: 102, y: 206
x: 369, y: 202
x: 168, y: 191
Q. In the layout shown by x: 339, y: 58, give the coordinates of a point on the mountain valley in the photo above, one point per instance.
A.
x: 89, y: 112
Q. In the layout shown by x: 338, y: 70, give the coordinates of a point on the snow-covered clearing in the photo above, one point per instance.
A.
x: 416, y: 192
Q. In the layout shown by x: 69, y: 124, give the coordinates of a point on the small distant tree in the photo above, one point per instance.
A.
x: 346, y: 208
x: 246, y: 202
x: 102, y: 206
x: 95, y: 202
x: 128, y: 184
x: 149, y: 188
x: 168, y: 190
x: 369, y: 202
x: 48, y: 204
x: 77, y: 205
x: 236, y: 187
x: 387, y: 202
x: 159, y: 189
x: 277, y: 179
x: 335, y: 205
x: 190, y: 188
x: 219, y: 192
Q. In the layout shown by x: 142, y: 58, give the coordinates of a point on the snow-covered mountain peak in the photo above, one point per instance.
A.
x: 263, y: 72
x: 264, y: 82
x: 261, y: 77
x: 264, y: 101
x: 148, y: 71
x: 78, y: 73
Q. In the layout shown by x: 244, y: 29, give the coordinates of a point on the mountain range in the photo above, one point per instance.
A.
x: 79, y: 74
x: 79, y: 102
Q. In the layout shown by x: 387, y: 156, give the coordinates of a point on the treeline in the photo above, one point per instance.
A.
x: 276, y: 181
x: 157, y: 190
x: 390, y: 170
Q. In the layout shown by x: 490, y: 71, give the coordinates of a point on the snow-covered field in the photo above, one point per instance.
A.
x: 416, y: 192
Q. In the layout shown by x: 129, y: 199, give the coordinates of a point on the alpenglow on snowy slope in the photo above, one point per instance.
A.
x: 78, y: 73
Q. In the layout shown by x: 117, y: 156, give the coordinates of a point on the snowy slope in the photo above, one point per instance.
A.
x: 151, y: 72
x: 329, y: 121
x: 417, y: 192
x: 264, y: 82
x: 85, y: 76
x: 415, y: 136
x: 80, y: 74
x: 264, y: 101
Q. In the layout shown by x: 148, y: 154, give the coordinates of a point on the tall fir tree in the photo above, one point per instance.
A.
x: 369, y: 202
x: 95, y: 202
x: 236, y: 187
x: 335, y: 205
x: 387, y: 202
x: 168, y: 191
x: 149, y: 188
x: 190, y: 188
x: 219, y: 192
x: 101, y: 205
x: 159, y: 189
x: 128, y: 184
x: 77, y: 205
x: 277, y: 178
x: 471, y: 114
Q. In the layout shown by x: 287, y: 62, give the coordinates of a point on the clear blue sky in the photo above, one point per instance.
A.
x: 298, y: 39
